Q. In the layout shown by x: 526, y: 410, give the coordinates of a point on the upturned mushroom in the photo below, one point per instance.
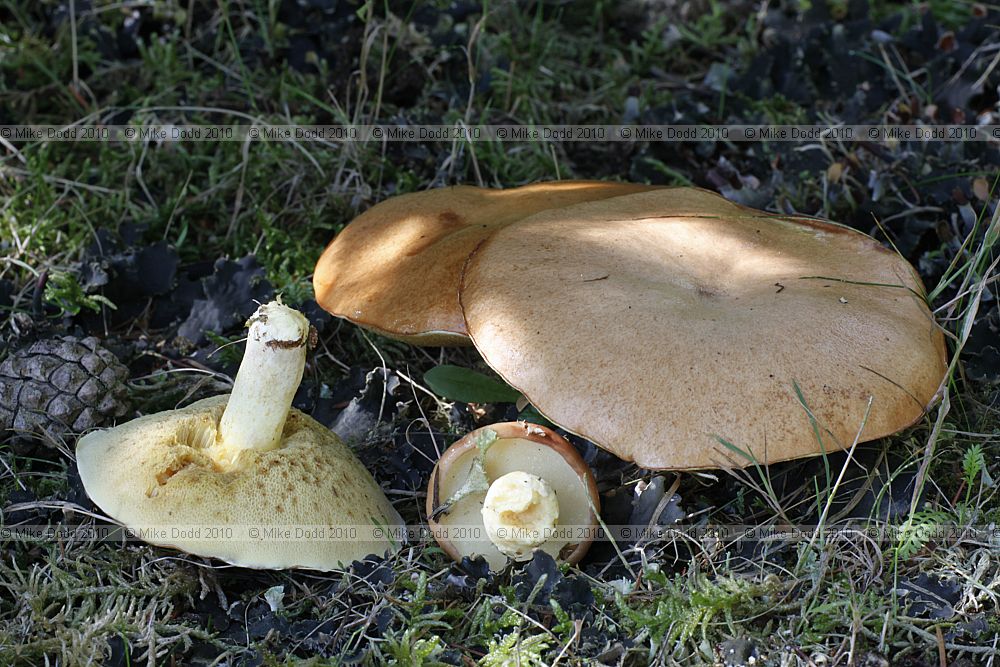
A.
x: 243, y: 477
x: 505, y: 490
x: 674, y: 328
x: 396, y: 268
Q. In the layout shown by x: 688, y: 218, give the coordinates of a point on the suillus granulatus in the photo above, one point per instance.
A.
x: 507, y: 489
x: 196, y: 478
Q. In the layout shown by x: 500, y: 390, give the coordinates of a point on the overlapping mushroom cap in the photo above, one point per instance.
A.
x: 396, y: 268
x: 659, y: 323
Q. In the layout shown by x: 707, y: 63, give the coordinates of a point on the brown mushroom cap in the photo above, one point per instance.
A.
x: 396, y: 268
x: 519, y: 446
x: 158, y: 473
x: 657, y: 323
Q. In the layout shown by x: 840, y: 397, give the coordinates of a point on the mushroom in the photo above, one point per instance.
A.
x: 396, y: 268
x: 243, y: 477
x: 664, y: 325
x: 507, y: 489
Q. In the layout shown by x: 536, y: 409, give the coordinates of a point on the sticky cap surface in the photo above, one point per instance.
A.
x: 658, y: 323
x: 396, y: 268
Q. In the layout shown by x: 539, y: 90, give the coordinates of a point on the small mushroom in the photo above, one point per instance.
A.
x: 507, y: 489
x: 660, y: 324
x: 396, y: 268
x: 243, y: 478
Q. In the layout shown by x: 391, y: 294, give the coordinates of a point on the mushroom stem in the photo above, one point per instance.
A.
x: 519, y: 512
x: 270, y: 374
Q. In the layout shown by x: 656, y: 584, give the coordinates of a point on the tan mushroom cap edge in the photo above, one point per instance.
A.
x: 519, y: 446
x: 156, y: 471
x: 396, y: 268
x: 656, y: 324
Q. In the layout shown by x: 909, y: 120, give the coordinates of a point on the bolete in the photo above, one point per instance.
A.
x: 507, y: 489
x: 243, y: 477
x: 666, y: 325
x: 396, y: 268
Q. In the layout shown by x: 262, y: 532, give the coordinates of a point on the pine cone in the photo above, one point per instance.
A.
x: 61, y: 384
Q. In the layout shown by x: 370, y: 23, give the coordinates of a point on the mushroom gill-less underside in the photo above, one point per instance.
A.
x: 160, y: 476
x: 243, y: 477
x: 659, y: 330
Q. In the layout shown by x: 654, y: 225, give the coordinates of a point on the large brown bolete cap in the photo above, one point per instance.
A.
x: 656, y: 324
x: 396, y: 268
